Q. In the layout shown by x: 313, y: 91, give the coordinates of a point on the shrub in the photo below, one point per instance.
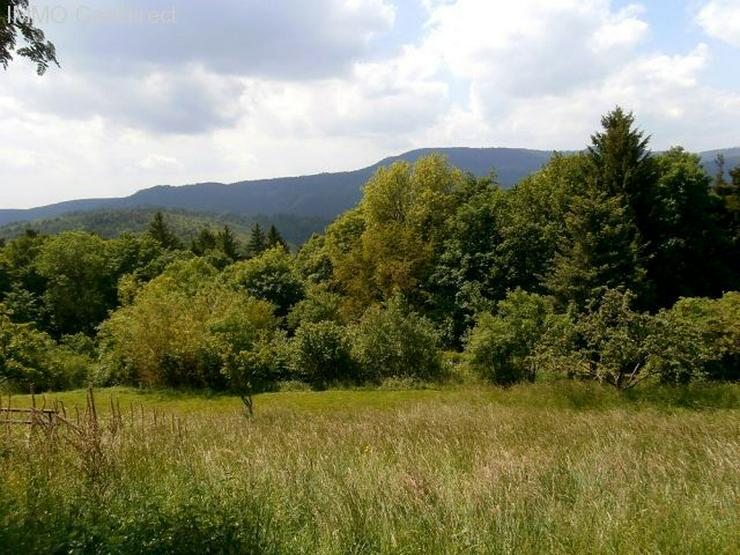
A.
x: 389, y: 341
x: 180, y: 329
x: 614, y: 344
x: 716, y: 324
x: 501, y: 345
x: 319, y: 305
x: 321, y: 353
x: 30, y: 358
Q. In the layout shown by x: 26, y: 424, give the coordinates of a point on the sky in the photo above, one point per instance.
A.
x: 172, y: 92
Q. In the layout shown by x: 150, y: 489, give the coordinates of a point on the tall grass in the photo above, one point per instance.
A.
x: 555, y: 469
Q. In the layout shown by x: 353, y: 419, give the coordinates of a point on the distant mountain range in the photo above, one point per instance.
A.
x: 309, y: 198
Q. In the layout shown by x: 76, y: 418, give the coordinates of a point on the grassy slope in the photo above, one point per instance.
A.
x: 532, y: 469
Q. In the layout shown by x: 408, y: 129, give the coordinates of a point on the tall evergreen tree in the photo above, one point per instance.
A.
x: 161, y: 232
x: 228, y: 243
x: 257, y: 241
x: 623, y: 169
x: 599, y: 251
x: 274, y: 238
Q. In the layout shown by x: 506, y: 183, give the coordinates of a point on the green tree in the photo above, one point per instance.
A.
x: 274, y: 238
x: 321, y: 353
x: 257, y: 243
x: 30, y: 358
x: 160, y: 231
x: 686, y: 232
x: 204, y: 242
x: 270, y: 276
x: 182, y: 329
x: 228, y: 243
x: 15, y: 23
x: 598, y: 252
x: 80, y: 284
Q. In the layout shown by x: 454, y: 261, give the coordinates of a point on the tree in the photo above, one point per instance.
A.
x: 686, y: 232
x: 228, y: 243
x: 321, y: 353
x: 15, y: 23
x: 270, y: 276
x: 182, y: 329
x: 274, y: 238
x: 80, y: 284
x: 257, y: 243
x: 30, y: 358
x: 204, y: 242
x: 598, y: 252
x: 160, y: 231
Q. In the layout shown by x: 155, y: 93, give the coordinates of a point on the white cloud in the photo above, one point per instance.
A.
x: 721, y: 19
x: 526, y: 73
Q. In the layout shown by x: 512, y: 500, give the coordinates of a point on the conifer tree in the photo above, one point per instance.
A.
x: 257, y: 241
x: 228, y: 243
x: 205, y: 241
x: 599, y: 251
x: 161, y: 232
x: 274, y: 238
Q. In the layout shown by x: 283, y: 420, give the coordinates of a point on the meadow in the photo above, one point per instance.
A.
x: 543, y: 468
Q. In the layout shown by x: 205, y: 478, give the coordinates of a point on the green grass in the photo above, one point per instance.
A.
x: 558, y: 468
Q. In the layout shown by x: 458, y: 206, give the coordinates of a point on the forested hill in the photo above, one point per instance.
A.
x: 109, y: 223
x: 321, y: 196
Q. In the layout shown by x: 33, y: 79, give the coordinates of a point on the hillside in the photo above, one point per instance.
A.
x: 109, y: 223
x: 320, y: 196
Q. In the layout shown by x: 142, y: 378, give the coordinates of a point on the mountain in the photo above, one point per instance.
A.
x: 320, y: 196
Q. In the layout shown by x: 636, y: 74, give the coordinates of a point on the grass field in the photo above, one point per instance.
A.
x: 561, y: 468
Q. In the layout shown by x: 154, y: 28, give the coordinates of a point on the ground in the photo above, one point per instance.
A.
x: 558, y: 468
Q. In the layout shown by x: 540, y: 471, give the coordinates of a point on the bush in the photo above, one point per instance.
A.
x: 501, y: 345
x: 319, y: 305
x: 321, y: 353
x: 715, y: 323
x: 180, y: 330
x: 614, y: 344
x: 30, y: 358
x: 392, y: 342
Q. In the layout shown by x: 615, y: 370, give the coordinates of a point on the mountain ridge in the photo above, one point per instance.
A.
x: 322, y: 195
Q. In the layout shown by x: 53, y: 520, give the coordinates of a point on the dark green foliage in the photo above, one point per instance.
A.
x: 160, y: 231
x: 270, y: 276
x: 77, y: 268
x: 257, y: 242
x: 320, y: 305
x: 37, y: 49
x: 597, y: 252
x: 204, y: 242
x: 30, y: 359
x: 228, y: 243
x: 274, y: 238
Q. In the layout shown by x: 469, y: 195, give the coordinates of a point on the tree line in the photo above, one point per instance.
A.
x: 612, y: 264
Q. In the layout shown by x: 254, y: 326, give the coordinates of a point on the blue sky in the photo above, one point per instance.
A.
x: 239, y: 89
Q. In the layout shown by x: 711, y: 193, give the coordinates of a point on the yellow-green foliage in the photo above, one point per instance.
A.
x: 180, y: 327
